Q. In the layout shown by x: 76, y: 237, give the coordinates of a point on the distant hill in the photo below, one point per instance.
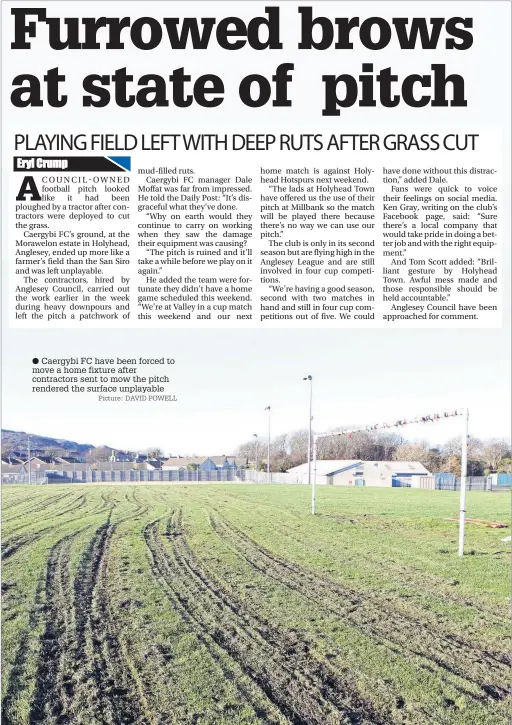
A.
x: 15, y: 439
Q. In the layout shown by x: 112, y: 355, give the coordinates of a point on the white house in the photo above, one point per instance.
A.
x: 209, y: 463
x: 364, y: 473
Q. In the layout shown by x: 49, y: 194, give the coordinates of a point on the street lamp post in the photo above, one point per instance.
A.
x: 29, y: 461
x: 255, y: 435
x: 310, y: 379
x: 313, y: 490
x: 268, y: 443
x: 463, y: 480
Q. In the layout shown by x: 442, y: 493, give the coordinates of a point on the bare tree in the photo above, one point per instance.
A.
x: 453, y: 447
x: 419, y: 450
x: 155, y: 453
x: 7, y: 450
x: 349, y: 446
x: 493, y: 451
x: 288, y: 450
x: 101, y: 453
x: 453, y: 465
x: 280, y: 459
x: 451, y: 451
x: 387, y: 442
x: 298, y: 446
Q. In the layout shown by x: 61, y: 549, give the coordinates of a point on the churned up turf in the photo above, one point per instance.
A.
x: 217, y: 604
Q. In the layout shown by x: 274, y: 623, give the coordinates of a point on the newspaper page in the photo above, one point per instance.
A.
x: 256, y: 457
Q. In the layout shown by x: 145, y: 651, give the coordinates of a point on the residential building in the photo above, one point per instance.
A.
x: 365, y: 473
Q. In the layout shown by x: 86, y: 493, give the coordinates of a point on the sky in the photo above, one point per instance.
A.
x: 224, y: 379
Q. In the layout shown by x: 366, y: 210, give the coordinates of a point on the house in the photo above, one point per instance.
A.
x: 10, y: 473
x: 39, y: 464
x: 68, y: 472
x: 9, y: 468
x: 208, y: 463
x: 223, y: 463
x: 69, y: 467
x: 156, y: 463
x: 365, y: 473
x: 177, y: 463
x: 237, y: 462
x: 121, y: 466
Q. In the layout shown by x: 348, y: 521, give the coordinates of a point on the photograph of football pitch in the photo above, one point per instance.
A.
x: 217, y: 604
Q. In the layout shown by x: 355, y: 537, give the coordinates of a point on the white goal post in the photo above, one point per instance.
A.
x: 431, y: 418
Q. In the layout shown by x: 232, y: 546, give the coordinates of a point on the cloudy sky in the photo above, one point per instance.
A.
x: 225, y: 379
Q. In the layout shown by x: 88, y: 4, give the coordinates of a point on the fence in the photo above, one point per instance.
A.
x: 443, y: 482
x: 159, y: 476
x: 295, y: 478
x: 37, y: 478
x: 448, y: 482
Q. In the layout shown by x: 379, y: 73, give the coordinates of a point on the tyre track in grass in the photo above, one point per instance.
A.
x: 17, y: 684
x: 37, y: 506
x: 107, y: 686
x: 402, y: 634
x: 47, y: 608
x: 410, y: 574
x: 53, y: 672
x: 276, y: 662
x: 19, y: 541
x: 162, y: 572
x: 341, y: 692
x: 15, y: 543
x: 455, y: 643
x: 406, y: 574
x: 37, y: 495
x: 43, y: 510
x: 79, y: 647
x: 432, y: 584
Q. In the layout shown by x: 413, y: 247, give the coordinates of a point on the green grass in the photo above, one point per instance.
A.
x: 217, y: 604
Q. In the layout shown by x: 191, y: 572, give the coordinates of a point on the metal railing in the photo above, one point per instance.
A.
x: 35, y: 478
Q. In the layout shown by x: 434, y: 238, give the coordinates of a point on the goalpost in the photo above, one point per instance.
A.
x: 432, y: 418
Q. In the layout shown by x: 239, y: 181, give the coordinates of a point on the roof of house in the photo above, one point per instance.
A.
x: 155, y: 462
x: 218, y: 460
x: 8, y: 468
x: 221, y: 460
x: 183, y: 462
x: 398, y: 467
x: 36, y: 464
x: 62, y: 467
x: 326, y: 468
x: 330, y: 468
x: 121, y: 466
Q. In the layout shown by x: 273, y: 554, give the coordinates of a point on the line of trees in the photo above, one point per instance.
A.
x: 104, y: 453
x: 492, y: 455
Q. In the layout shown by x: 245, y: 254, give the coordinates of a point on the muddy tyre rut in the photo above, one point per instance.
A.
x: 468, y: 664
x: 299, y: 687
x: 83, y: 673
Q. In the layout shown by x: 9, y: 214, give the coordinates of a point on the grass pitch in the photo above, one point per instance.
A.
x: 217, y: 604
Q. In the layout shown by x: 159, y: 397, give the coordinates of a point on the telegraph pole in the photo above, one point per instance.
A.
x: 268, y: 443
x: 310, y: 379
x: 255, y: 435
x: 313, y: 490
x: 29, y: 461
x: 463, y: 479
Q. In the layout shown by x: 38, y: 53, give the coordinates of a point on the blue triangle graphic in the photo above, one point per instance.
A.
x: 124, y: 161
